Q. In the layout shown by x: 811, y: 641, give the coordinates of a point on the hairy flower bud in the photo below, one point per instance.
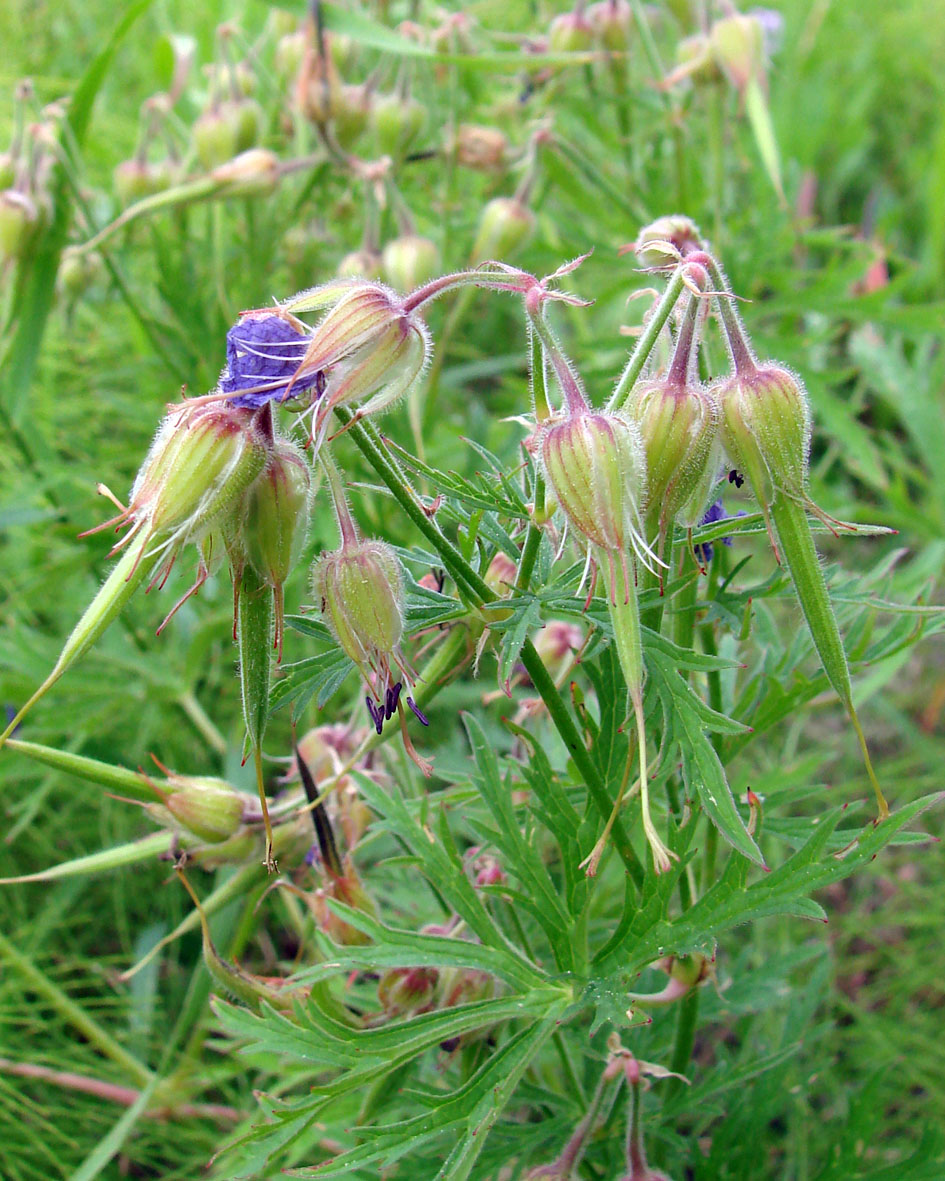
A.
x: 504, y: 226
x: 276, y: 520
x: 766, y: 429
x: 209, y: 808
x: 199, y: 465
x: 19, y: 219
x: 570, y: 32
x: 595, y: 466
x: 361, y: 264
x: 663, y: 241
x: 482, y: 148
x: 252, y: 173
x: 361, y: 591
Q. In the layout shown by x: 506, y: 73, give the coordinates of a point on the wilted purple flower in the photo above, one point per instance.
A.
x: 263, y: 352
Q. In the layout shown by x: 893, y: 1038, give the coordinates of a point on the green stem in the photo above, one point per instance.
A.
x: 647, y: 340
x: 686, y: 1020
x: 532, y: 537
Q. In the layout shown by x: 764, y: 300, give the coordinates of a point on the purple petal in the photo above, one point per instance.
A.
x: 263, y: 354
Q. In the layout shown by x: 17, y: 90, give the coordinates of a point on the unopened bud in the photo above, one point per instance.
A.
x: 611, y: 22
x: 216, y: 136
x: 209, y: 808
x: 277, y: 506
x: 407, y: 990
x: 766, y: 429
x: 571, y: 32
x: 397, y: 122
x: 695, y: 61
x: 409, y: 262
x: 77, y: 272
x: 19, y: 219
x: 199, y: 465
x: 737, y: 46
x: 596, y: 468
x: 361, y: 264
x: 482, y: 148
x: 253, y: 173
x: 290, y: 52
x: 137, y: 179
x: 348, y: 889
x: 505, y: 225
x: 361, y: 591
x: 665, y: 240
x: 350, y: 113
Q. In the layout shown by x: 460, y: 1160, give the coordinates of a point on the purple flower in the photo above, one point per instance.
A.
x: 715, y: 512
x: 263, y: 352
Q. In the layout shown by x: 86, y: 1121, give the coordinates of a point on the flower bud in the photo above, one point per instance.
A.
x: 199, y: 465
x: 290, y: 52
x: 276, y: 521
x: 397, y: 122
x: 504, y: 226
x: 556, y: 644
x: 350, y: 113
x: 482, y: 148
x: 209, y: 808
x: 361, y: 591
x: 737, y: 46
x: 570, y: 32
x: 678, y: 425
x: 766, y: 429
x: 611, y: 20
x: 663, y: 241
x: 253, y: 173
x: 361, y: 264
x: 216, y: 135
x: 409, y: 262
x: 595, y: 466
x: 695, y: 61
x: 345, y: 887
x: 137, y: 179
x: 77, y: 272
x: 407, y: 990
x: 19, y: 220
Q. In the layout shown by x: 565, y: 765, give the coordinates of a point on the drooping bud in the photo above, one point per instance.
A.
x: 407, y: 990
x: 409, y: 262
x: 369, y: 346
x: 766, y: 429
x: 136, y: 179
x: 596, y: 468
x: 504, y: 226
x: 737, y: 46
x: 276, y: 520
x: 678, y: 421
x: 216, y: 137
x: 350, y: 113
x: 199, y: 465
x: 360, y: 588
x: 361, y: 264
x: 397, y: 122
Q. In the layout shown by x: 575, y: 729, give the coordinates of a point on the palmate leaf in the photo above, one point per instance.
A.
x: 786, y: 890
x: 489, y: 493
x: 519, y: 856
x: 472, y: 1109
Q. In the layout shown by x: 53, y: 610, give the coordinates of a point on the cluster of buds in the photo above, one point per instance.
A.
x: 24, y: 179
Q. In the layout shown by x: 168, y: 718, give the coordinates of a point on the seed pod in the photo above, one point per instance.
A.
x: 409, y: 262
x: 504, y: 226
